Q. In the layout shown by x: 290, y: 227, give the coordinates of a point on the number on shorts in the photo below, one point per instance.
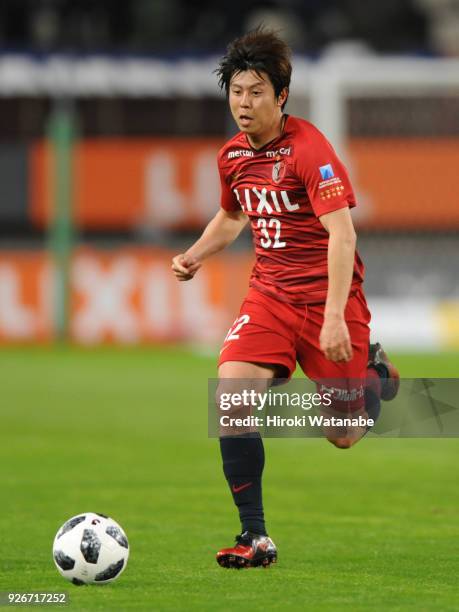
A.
x: 235, y: 328
x: 266, y: 241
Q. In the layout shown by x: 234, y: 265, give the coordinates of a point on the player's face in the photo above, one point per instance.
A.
x: 254, y: 105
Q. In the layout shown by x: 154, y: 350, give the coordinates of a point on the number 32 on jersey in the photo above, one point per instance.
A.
x: 270, y: 230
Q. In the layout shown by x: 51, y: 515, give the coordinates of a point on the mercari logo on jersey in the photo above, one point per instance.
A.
x: 240, y: 153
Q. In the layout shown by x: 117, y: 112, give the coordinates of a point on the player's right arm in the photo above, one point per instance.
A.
x: 221, y: 231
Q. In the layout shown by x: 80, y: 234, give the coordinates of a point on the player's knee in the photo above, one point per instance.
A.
x: 226, y: 398
x: 341, y: 442
x: 234, y: 398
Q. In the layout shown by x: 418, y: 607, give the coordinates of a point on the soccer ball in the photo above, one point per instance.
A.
x: 90, y: 548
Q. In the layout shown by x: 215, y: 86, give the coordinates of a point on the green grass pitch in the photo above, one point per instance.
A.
x: 124, y: 432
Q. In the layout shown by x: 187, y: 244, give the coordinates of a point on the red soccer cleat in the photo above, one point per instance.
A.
x: 390, y: 383
x: 251, y: 550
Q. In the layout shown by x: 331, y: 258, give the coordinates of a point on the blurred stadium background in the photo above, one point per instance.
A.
x: 110, y: 121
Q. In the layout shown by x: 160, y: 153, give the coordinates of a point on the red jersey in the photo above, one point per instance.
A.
x: 284, y: 188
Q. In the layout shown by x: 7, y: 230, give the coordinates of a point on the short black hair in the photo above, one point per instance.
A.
x: 260, y: 50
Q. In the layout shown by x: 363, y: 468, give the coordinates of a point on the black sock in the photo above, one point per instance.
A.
x: 243, y: 461
x: 372, y: 405
x: 382, y: 370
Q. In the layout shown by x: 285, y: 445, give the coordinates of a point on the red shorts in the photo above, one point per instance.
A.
x: 275, y: 332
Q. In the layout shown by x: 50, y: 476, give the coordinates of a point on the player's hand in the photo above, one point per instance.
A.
x: 335, y: 340
x: 185, y: 267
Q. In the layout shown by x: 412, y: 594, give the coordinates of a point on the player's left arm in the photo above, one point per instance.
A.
x: 335, y: 340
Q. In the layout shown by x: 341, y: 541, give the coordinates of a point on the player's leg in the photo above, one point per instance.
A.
x: 243, y: 463
x: 242, y: 446
x: 360, y: 383
x: 258, y: 348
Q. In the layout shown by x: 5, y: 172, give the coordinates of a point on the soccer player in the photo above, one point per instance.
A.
x: 305, y: 303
